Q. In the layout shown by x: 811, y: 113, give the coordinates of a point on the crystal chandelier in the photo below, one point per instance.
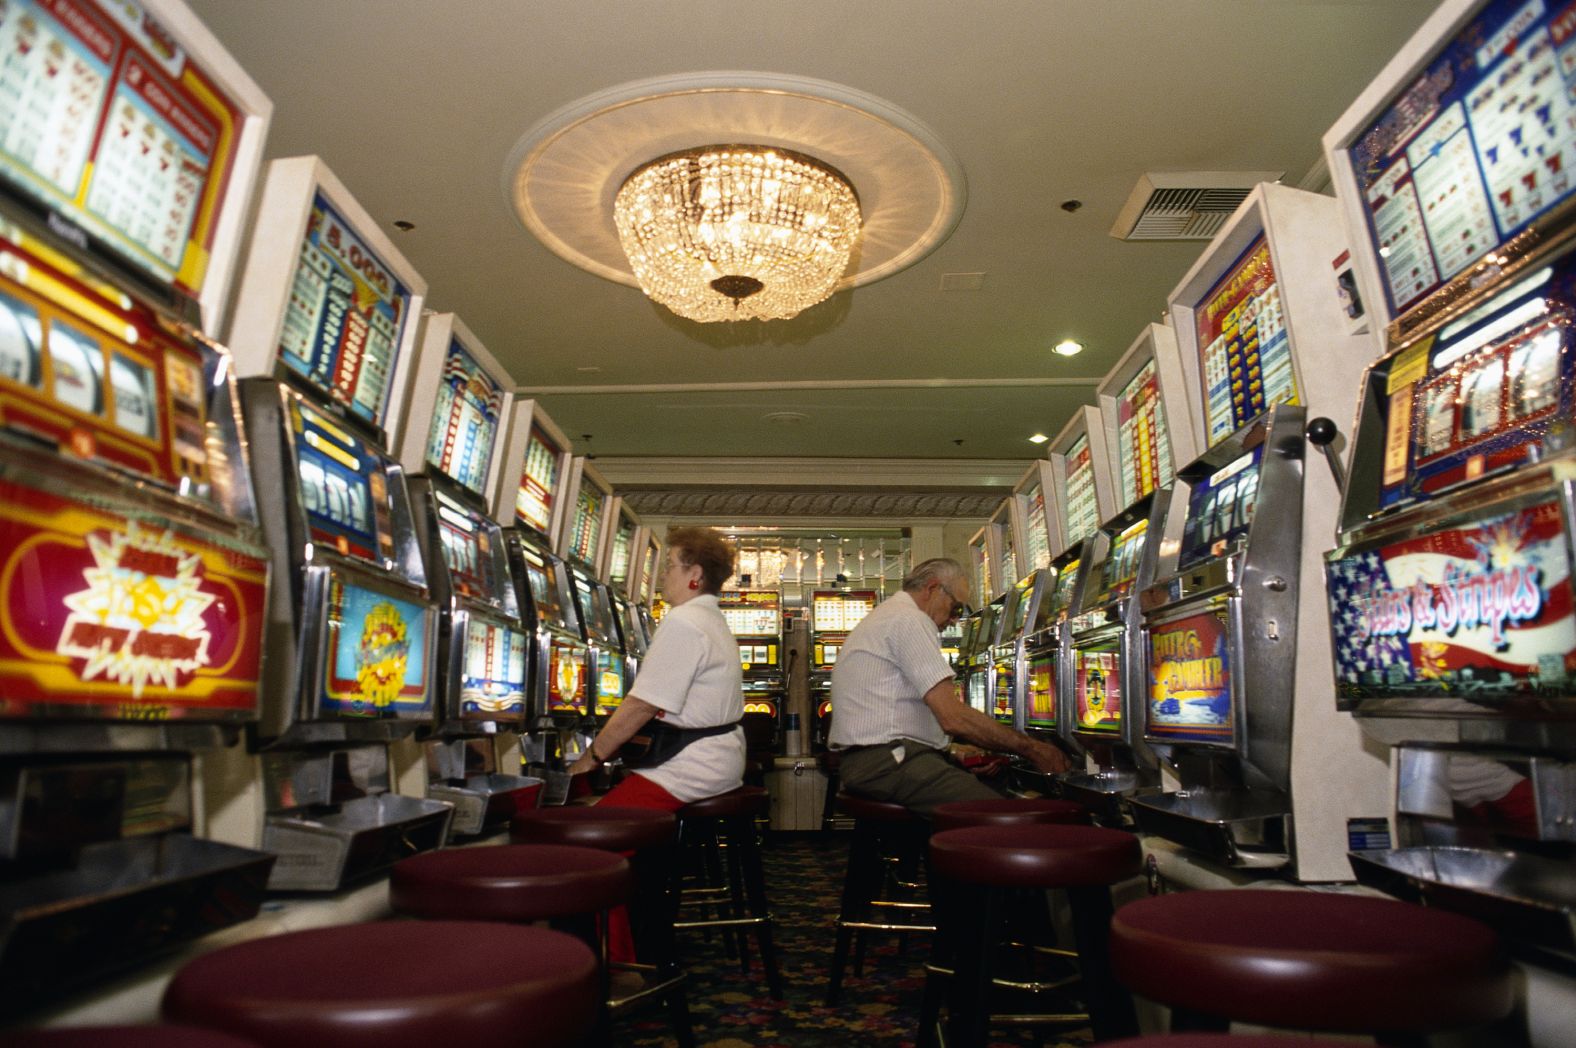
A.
x: 737, y: 232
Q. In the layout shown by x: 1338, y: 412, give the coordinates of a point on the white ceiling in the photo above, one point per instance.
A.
x: 416, y: 104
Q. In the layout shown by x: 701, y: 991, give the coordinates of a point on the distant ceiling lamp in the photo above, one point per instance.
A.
x: 737, y: 232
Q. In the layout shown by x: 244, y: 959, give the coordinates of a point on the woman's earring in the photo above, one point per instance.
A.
x: 694, y: 584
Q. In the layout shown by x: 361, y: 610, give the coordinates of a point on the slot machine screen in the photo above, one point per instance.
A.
x: 833, y: 611
x: 110, y: 125
x: 533, y: 503
x: 988, y: 620
x: 977, y: 686
x: 1062, y: 596
x: 1490, y: 389
x: 566, y: 677
x: 1220, y: 509
x: 1144, y: 447
x: 1006, y: 615
x: 591, y: 597
x: 1244, y: 352
x: 343, y: 317
x: 1040, y: 711
x: 588, y: 522
x: 1083, y: 513
x: 1121, y: 561
x: 1005, y: 686
x: 343, y: 487
x: 1020, y: 610
x: 1472, y: 150
x: 464, y: 420
x: 492, y: 684
x: 634, y: 629
x: 971, y: 635
x: 1038, y: 538
x: 752, y: 613
x: 1476, y: 610
x: 609, y: 682
x: 467, y: 548
x: 618, y: 566
x: 1191, y: 696
x: 374, y: 655
x: 1097, y: 688
x: 1012, y: 566
x: 550, y: 591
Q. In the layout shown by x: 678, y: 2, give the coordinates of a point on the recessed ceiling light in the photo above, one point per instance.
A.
x: 1038, y: 438
x: 1067, y: 348
x: 588, y: 368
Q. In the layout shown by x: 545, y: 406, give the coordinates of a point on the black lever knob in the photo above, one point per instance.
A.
x: 1322, y: 432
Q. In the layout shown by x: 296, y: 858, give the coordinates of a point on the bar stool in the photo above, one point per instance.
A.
x: 393, y: 984
x: 1008, y: 811
x: 648, y: 837
x: 1311, y: 961
x: 880, y: 828
x: 1221, y: 1040
x: 730, y: 817
x: 977, y: 869
x: 126, y: 1037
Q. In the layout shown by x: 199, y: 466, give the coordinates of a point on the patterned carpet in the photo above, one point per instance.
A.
x: 731, y: 1010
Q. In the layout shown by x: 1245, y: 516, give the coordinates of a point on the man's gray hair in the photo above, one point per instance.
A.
x: 944, y: 569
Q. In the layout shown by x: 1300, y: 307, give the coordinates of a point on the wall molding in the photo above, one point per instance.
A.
x: 628, y: 473
x: 869, y: 506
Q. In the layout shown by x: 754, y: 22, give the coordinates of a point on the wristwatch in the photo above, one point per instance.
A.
x: 591, y: 752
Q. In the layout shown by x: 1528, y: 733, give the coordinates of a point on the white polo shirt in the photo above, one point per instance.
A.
x: 888, y: 663
x: 692, y: 674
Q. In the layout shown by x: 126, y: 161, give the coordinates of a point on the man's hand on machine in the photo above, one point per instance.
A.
x: 1048, y: 758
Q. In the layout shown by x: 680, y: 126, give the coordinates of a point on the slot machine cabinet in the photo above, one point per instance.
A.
x: 647, y: 579
x: 1148, y: 430
x: 605, y: 656
x: 833, y: 615
x: 1046, y: 682
x: 1006, y: 653
x: 1031, y: 520
x: 1009, y: 563
x: 636, y: 640
x: 454, y: 424
x: 623, y: 550
x: 1081, y: 489
x: 755, y: 618
x: 559, y: 687
x: 323, y: 335
x: 1449, y: 590
x: 984, y: 561
x: 533, y: 474
x: 134, y: 581
x: 1238, y: 694
x: 588, y: 505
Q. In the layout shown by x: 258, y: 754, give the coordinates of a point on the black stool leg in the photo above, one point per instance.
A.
x: 968, y: 1019
x: 651, y: 916
x: 1110, y: 1006
x: 863, y: 856
x: 742, y: 842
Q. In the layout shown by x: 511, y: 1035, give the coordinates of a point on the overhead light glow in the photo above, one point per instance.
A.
x: 1067, y: 348
x: 1038, y: 438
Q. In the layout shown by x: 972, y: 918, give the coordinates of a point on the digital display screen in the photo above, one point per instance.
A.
x: 1244, y: 352
x: 464, y: 421
x: 344, y: 316
x: 1020, y: 610
x: 618, y: 566
x: 978, y: 688
x: 1144, y: 447
x: 757, y: 656
x: 492, y: 684
x: 587, y: 523
x: 1002, y: 709
x: 1006, y: 610
x: 550, y: 595
x: 108, y: 123
x: 834, y: 611
x: 1041, y: 709
x: 1120, y: 566
x: 752, y: 613
x: 1009, y: 556
x: 1062, y: 596
x: 566, y: 677
x: 971, y: 633
x: 1190, y: 691
x: 1474, y: 149
x: 1492, y: 386
x: 1083, y: 512
x: 1478, y: 610
x: 1038, y: 538
x: 594, y: 610
x: 635, y: 638
x: 375, y: 664
x: 1097, y: 688
x: 467, y: 549
x: 343, y: 488
x: 533, y: 503
x: 1220, y: 508
x: 987, y: 633
x: 609, y: 681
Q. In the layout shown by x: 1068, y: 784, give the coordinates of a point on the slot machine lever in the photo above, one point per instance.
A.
x: 1322, y: 434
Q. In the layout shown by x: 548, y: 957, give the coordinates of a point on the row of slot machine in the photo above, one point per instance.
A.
x: 1296, y: 592
x: 336, y: 534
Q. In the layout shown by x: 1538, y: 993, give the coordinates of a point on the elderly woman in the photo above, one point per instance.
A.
x: 689, y: 680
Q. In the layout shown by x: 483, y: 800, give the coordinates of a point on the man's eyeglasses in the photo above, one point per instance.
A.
x: 959, y: 607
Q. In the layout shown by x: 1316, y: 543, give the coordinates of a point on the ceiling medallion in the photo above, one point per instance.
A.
x: 771, y: 229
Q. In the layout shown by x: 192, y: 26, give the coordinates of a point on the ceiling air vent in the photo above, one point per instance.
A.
x: 1185, y: 205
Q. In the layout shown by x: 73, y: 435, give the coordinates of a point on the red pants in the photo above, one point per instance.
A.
x: 636, y: 791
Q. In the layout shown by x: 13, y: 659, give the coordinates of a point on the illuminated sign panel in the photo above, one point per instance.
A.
x: 464, y: 420
x: 1190, y: 693
x: 1244, y: 352
x: 375, y: 655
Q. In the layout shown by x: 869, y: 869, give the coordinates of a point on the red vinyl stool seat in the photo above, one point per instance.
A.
x: 1221, y: 1040
x: 393, y: 984
x: 518, y: 883
x: 978, y: 872
x: 649, y: 839
x: 1311, y: 961
x: 740, y: 897
x: 126, y: 1037
x: 882, y: 830
x: 1008, y: 811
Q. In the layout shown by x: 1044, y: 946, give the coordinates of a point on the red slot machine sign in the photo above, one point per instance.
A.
x: 102, y: 616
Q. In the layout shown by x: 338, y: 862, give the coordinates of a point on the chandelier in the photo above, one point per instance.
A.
x: 737, y: 232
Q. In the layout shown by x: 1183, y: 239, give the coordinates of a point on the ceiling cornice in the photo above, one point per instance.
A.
x: 630, y: 473
x: 869, y: 506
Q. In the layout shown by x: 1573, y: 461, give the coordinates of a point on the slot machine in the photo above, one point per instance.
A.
x: 605, y: 647
x: 1236, y: 652
x: 755, y: 618
x: 588, y: 504
x: 984, y: 559
x: 975, y: 666
x: 1450, y: 589
x: 454, y: 425
x: 1007, y: 652
x: 622, y: 549
x: 135, y: 583
x: 833, y: 615
x: 1145, y: 440
x: 1009, y: 566
x: 633, y: 632
x: 324, y: 326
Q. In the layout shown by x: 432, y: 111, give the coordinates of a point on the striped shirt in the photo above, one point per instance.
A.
x: 888, y: 663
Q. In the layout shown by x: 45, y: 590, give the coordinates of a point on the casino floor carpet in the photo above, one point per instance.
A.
x: 731, y: 1010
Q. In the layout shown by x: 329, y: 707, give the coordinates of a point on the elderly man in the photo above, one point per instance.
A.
x: 894, y: 707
